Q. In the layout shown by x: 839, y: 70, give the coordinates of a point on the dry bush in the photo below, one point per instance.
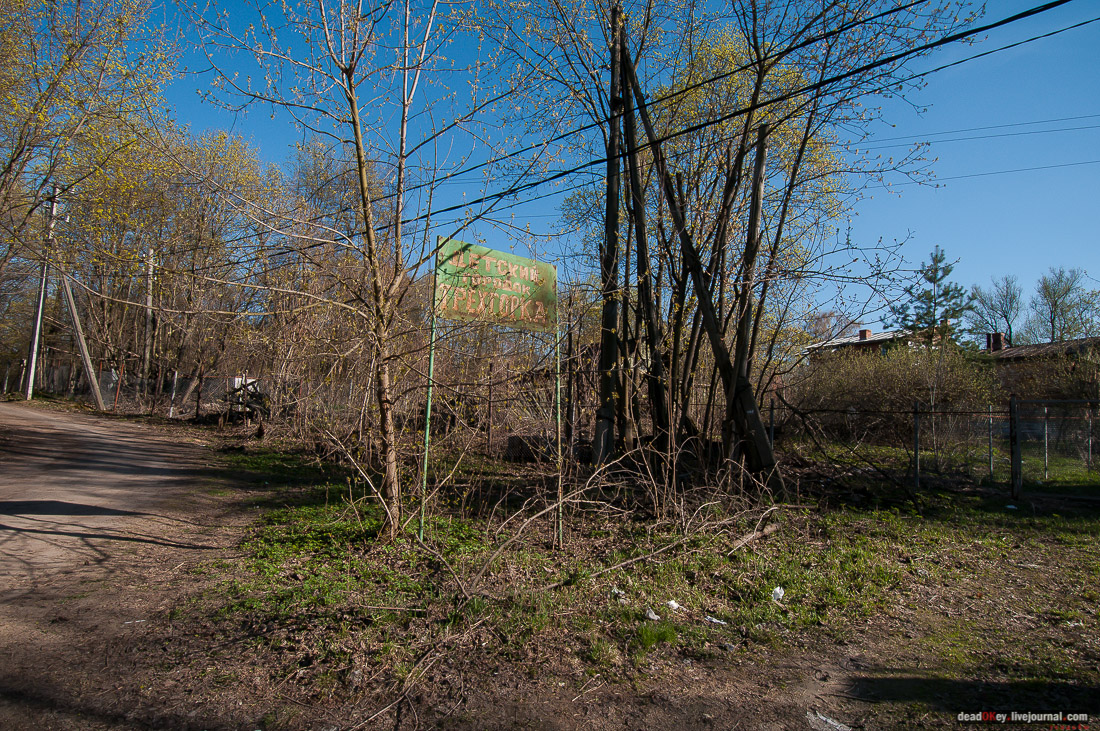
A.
x: 862, y: 398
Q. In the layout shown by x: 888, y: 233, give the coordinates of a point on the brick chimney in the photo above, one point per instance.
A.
x: 996, y: 342
x: 864, y: 334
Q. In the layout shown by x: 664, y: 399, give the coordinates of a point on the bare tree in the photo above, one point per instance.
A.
x: 996, y: 309
x: 1062, y: 308
x: 354, y: 74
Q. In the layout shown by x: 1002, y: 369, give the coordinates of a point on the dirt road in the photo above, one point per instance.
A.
x: 77, y: 492
x: 94, y: 515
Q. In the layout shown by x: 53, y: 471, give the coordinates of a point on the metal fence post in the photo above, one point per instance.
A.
x: 916, y: 445
x: 1089, y: 463
x: 489, y: 415
x: 1014, y: 438
x: 1046, y: 444
x: 557, y: 432
x: 991, y: 442
x: 428, y: 400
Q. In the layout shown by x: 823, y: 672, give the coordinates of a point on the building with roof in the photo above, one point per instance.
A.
x: 865, y: 341
x: 1058, y: 370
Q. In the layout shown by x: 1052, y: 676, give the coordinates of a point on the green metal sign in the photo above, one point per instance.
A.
x: 477, y: 283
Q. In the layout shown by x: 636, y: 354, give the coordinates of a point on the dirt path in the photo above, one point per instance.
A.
x: 79, y: 492
x: 97, y: 517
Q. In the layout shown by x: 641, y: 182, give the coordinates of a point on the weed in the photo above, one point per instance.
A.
x: 601, y: 652
x: 650, y: 635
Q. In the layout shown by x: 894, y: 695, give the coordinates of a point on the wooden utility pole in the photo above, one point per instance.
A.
x: 36, y: 331
x: 603, y: 443
x: 78, y: 335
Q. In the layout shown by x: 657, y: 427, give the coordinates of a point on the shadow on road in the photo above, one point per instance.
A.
x: 57, y: 507
x: 954, y: 695
x: 100, y: 536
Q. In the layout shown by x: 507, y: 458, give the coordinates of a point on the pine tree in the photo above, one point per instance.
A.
x: 932, y: 306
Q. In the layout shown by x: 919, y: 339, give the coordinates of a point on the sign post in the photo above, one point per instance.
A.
x: 427, y: 417
x: 476, y: 284
x: 557, y: 433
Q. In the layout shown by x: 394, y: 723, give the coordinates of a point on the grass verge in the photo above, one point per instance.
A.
x: 967, y: 590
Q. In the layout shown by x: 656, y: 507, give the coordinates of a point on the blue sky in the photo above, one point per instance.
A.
x: 1014, y: 223
x: 1019, y: 223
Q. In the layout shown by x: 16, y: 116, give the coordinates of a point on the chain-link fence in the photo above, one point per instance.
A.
x: 1047, y: 446
x: 1056, y: 442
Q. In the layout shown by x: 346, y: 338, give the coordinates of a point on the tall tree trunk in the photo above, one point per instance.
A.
x: 740, y: 400
x: 655, y: 379
x: 604, y: 438
x: 391, y: 483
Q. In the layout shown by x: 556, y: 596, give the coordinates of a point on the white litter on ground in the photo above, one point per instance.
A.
x: 824, y: 723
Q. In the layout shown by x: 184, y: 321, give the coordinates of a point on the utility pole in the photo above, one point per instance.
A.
x: 603, y: 443
x: 36, y: 332
x: 78, y: 335
x: 147, y: 355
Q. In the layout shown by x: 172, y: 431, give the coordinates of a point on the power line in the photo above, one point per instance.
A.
x: 1009, y: 46
x: 920, y: 141
x: 1004, y: 172
x: 991, y: 126
x: 974, y: 57
x: 519, y: 188
x: 816, y: 86
x: 677, y: 93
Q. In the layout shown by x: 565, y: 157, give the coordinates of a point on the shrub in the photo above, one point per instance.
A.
x: 869, y: 397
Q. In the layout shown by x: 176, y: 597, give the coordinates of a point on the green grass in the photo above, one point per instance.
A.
x: 285, y: 468
x: 650, y: 636
x: 319, y: 560
x: 338, y: 594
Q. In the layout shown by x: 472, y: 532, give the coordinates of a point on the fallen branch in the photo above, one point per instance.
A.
x: 741, y: 543
x: 757, y: 532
